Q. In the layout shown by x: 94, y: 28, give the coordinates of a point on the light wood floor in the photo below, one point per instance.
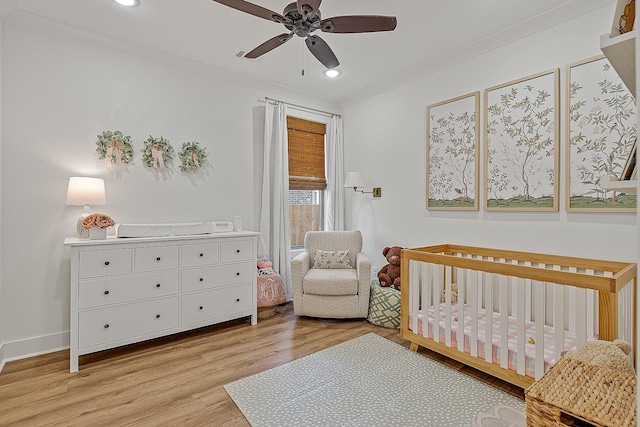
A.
x: 175, y: 380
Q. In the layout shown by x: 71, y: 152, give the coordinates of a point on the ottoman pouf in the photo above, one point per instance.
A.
x: 384, y: 306
x: 270, y: 293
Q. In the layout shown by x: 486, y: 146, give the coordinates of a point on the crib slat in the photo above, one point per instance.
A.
x: 558, y: 319
x: 448, y: 279
x: 522, y: 338
x: 463, y: 276
x: 505, y: 283
x: 581, y: 316
x: 437, y: 292
x: 474, y: 295
x: 539, y: 288
x: 492, y: 281
x: 416, y: 282
x: 427, y: 280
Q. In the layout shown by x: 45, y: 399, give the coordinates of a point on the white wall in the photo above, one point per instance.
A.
x: 385, y: 139
x: 63, y: 87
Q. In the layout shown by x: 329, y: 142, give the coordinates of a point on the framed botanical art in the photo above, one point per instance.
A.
x: 601, y: 132
x: 521, y: 144
x: 453, y: 135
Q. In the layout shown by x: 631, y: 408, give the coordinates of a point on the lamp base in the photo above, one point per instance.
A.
x: 83, y: 233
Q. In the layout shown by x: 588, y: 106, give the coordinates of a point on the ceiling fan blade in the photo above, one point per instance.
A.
x: 322, y: 51
x: 269, y: 45
x: 254, y: 9
x: 308, y: 8
x: 358, y: 24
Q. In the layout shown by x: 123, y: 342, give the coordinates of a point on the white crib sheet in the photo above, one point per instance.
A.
x: 530, y: 348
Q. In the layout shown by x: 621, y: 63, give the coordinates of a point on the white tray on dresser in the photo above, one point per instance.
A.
x: 126, y: 290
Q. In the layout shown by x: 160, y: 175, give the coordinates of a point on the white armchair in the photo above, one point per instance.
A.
x: 339, y: 291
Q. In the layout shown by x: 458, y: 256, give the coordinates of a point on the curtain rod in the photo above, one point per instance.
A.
x: 303, y: 107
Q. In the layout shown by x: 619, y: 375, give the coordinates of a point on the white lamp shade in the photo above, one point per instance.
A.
x: 354, y: 179
x: 86, y: 191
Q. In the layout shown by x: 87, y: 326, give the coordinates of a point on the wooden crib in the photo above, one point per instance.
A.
x: 527, y: 304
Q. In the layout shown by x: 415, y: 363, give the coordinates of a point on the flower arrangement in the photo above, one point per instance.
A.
x: 157, y: 152
x: 98, y: 220
x: 192, y: 156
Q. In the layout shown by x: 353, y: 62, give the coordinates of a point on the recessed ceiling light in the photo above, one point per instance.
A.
x: 332, y: 72
x: 126, y: 2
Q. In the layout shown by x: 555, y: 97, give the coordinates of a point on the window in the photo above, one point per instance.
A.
x: 307, y: 178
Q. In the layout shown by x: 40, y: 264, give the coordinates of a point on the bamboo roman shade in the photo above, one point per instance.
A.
x: 306, y: 154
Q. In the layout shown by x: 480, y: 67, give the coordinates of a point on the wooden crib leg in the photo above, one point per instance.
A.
x: 414, y: 347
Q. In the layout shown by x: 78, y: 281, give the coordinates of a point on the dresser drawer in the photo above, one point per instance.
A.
x: 94, y: 293
x: 199, y: 254
x: 220, y: 275
x: 104, y: 262
x: 104, y: 325
x: 216, y: 303
x: 240, y: 250
x: 155, y: 258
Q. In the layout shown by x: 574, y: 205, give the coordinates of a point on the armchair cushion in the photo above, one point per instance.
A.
x: 323, y: 281
x: 331, y: 259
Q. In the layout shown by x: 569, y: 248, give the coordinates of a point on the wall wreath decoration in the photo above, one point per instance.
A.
x: 192, y: 156
x: 157, y: 152
x: 115, y: 148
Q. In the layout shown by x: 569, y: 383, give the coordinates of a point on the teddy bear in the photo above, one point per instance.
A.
x: 389, y: 275
x: 454, y: 294
x: 612, y: 355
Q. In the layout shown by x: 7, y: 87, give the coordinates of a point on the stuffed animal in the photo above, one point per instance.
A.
x: 389, y: 275
x: 612, y: 355
x: 265, y: 267
x: 454, y: 294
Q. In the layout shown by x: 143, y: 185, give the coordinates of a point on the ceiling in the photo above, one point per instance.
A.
x: 430, y: 35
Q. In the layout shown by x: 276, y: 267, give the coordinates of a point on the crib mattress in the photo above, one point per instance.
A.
x: 530, y: 348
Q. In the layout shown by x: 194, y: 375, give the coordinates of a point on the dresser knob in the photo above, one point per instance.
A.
x: 106, y: 263
x: 237, y: 251
x: 238, y: 273
x: 106, y: 292
x: 106, y: 326
x: 202, y: 279
x: 201, y: 307
x: 158, y: 259
x: 157, y: 316
x: 238, y: 300
x: 157, y: 285
x: 201, y: 254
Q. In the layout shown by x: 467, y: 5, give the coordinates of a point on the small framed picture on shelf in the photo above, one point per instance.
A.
x: 630, y: 166
x: 624, y: 17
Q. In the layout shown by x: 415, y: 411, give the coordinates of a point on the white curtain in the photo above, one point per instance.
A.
x: 334, y: 193
x: 275, y: 241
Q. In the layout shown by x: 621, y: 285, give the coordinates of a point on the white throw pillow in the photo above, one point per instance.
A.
x: 331, y: 259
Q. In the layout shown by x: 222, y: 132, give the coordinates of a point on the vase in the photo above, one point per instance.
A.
x: 97, y: 233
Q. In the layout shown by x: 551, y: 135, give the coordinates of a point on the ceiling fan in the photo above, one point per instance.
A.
x: 303, y: 18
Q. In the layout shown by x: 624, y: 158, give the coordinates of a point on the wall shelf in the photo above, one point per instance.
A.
x: 613, y: 183
x: 621, y: 52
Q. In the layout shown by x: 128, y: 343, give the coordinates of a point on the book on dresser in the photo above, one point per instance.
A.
x: 127, y: 290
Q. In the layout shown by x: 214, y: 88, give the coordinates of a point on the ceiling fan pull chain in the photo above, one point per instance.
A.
x: 302, y: 58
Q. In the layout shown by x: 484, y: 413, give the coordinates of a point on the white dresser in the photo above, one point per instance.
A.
x: 126, y: 290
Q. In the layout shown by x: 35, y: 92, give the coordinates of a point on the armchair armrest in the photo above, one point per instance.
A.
x: 363, y: 269
x: 300, y: 265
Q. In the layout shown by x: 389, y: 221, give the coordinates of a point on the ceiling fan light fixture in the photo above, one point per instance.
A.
x: 332, y: 73
x: 128, y: 3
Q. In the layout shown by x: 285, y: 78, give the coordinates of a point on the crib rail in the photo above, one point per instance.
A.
x: 584, y: 298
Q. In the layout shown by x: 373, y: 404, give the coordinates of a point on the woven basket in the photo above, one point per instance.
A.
x: 266, y: 312
x: 574, y: 390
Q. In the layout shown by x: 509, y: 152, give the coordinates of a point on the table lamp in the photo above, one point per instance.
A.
x: 85, y: 191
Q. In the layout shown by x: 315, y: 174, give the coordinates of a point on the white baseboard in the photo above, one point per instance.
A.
x: 22, y: 349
